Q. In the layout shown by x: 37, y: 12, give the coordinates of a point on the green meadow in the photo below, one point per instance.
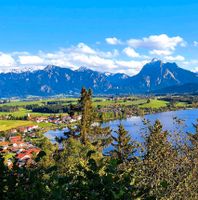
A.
x: 10, y: 124
x: 155, y: 103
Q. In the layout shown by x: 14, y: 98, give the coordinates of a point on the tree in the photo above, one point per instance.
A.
x: 124, y: 148
x: 85, y: 104
x: 159, y: 163
x: 101, y: 137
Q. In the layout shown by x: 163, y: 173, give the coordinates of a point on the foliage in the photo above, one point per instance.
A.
x: 124, y: 148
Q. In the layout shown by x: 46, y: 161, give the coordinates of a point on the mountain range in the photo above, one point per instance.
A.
x: 155, y: 77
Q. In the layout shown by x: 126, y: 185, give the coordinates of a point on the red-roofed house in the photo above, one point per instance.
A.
x: 14, y: 139
x: 27, y: 154
x: 23, y: 129
x: 23, y: 156
x: 20, y: 144
x: 4, y: 145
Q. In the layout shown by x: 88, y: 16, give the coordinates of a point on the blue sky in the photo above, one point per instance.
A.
x: 114, y: 36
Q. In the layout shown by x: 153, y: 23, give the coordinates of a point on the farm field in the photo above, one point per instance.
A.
x: 23, y: 112
x: 155, y: 103
x: 104, y: 102
x: 9, y: 124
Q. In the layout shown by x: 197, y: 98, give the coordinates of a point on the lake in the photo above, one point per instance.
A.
x: 135, y: 126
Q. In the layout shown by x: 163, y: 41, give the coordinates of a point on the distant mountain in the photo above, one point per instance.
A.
x: 54, y: 80
x: 155, y: 76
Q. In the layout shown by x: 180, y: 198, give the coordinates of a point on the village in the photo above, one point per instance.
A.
x: 16, y: 145
x: 15, y: 148
x: 56, y: 119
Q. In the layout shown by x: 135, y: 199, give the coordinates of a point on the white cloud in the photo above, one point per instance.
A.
x: 30, y: 60
x: 81, y: 55
x: 113, y: 41
x: 106, y: 61
x: 195, y: 43
x: 157, y: 42
x: 175, y: 58
x: 193, y: 64
x: 196, y: 69
x: 74, y: 57
x: 83, y: 48
x: 109, y: 54
x: 160, y: 52
x: 6, y: 60
x: 131, y: 63
x: 131, y: 67
x: 96, y: 62
x: 131, y: 52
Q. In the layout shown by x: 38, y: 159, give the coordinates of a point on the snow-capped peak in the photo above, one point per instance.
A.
x: 22, y: 69
x: 82, y: 69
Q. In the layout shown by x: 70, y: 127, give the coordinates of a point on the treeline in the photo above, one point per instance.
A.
x: 13, y: 117
x: 8, y: 108
x: 187, y: 99
x: 51, y: 108
x: 162, y: 167
x: 107, y: 113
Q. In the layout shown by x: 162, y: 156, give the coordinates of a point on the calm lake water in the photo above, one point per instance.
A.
x: 181, y: 120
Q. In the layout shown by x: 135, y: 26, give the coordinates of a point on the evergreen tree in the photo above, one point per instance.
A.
x: 159, y: 163
x: 87, y: 119
x: 124, y: 148
x: 101, y: 137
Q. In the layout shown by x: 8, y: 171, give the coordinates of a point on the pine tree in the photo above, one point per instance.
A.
x: 101, y: 137
x: 124, y: 149
x: 159, y: 162
x: 87, y: 119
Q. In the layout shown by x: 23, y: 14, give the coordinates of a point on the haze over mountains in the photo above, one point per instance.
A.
x: 155, y: 77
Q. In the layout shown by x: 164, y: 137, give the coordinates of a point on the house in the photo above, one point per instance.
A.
x: 17, y: 150
x: 14, y: 139
x: 23, y: 156
x: 19, y: 144
x: 27, y: 154
x: 23, y: 129
x: 66, y: 119
x: 33, y: 150
x: 13, y: 131
x: 32, y: 135
x: 31, y: 128
x: 4, y: 145
x: 41, y: 119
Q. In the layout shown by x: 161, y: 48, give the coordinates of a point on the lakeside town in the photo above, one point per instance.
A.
x: 16, y: 145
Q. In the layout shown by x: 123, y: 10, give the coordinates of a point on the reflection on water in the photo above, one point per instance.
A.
x: 52, y: 134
